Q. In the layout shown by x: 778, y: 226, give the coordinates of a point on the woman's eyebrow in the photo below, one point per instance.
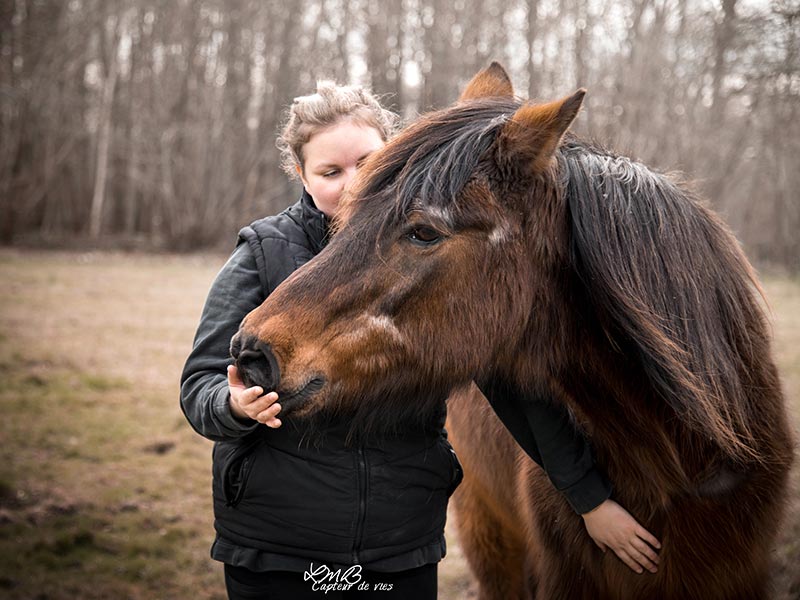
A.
x: 330, y: 165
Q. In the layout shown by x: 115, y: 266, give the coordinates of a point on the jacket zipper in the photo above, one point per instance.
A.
x: 362, y: 502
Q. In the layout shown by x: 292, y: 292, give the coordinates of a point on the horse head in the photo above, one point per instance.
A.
x: 429, y: 281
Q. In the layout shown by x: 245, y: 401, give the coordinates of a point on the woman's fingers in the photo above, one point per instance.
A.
x: 252, y: 395
x: 638, y: 556
x: 648, y: 537
x: 267, y: 417
x: 256, y: 403
x: 641, y: 559
x: 264, y: 408
x: 642, y: 547
x: 249, y: 400
x: 252, y: 401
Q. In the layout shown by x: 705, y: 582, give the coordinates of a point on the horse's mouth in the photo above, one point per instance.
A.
x: 296, y: 400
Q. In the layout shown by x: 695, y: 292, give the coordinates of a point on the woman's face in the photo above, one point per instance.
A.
x: 331, y: 159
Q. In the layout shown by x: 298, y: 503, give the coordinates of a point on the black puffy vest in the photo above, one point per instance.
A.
x: 380, y: 504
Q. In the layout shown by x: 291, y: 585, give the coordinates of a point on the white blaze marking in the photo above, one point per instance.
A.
x: 384, y: 324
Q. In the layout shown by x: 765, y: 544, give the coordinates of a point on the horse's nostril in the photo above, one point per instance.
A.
x: 257, y: 365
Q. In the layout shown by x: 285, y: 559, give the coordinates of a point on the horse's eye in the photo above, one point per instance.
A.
x: 424, y: 235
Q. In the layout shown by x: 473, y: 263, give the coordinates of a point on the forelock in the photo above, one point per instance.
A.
x: 429, y: 164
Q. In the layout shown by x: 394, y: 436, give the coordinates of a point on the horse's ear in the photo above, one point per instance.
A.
x: 493, y: 81
x: 535, y: 130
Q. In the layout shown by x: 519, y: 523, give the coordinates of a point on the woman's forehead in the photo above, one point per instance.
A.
x: 344, y: 142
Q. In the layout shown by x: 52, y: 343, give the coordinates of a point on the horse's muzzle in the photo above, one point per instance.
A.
x: 256, y: 362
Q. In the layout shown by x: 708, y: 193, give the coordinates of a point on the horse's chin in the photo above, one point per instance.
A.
x: 303, y: 400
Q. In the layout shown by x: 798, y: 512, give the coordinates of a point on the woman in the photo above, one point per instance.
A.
x: 295, y: 513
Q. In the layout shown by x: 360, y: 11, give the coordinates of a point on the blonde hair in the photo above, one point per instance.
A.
x: 332, y: 103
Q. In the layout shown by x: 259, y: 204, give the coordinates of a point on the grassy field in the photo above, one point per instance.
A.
x: 104, y: 488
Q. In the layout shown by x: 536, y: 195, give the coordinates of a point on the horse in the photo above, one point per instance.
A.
x: 486, y: 245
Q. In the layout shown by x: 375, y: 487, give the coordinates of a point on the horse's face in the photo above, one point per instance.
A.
x: 426, y: 285
x: 416, y: 307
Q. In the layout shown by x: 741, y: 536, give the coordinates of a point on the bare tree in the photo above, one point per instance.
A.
x: 155, y: 121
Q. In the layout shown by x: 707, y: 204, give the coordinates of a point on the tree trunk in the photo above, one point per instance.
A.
x: 104, y: 141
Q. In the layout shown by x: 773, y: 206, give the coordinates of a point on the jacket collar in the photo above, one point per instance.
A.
x: 315, y: 223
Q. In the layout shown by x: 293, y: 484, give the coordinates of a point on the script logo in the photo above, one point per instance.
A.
x: 326, y: 580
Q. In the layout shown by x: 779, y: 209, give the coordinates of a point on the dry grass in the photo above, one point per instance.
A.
x: 104, y: 488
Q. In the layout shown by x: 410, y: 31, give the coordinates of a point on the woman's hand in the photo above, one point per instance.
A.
x: 611, y: 526
x: 249, y: 403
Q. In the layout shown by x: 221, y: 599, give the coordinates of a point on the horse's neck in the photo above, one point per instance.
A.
x: 636, y: 436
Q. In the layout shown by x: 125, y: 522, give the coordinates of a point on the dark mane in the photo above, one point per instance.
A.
x: 433, y: 159
x: 660, y: 268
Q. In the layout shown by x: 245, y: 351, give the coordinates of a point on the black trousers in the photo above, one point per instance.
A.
x: 415, y: 584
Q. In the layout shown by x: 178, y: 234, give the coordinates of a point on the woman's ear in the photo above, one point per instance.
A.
x: 535, y: 131
x: 299, y: 170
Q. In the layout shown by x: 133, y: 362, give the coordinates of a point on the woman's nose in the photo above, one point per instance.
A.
x: 349, y: 174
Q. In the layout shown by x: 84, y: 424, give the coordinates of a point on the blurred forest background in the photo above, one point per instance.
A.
x: 151, y: 123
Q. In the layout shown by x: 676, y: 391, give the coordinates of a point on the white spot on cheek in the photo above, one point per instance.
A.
x: 368, y: 327
x: 385, y: 325
x: 371, y: 329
